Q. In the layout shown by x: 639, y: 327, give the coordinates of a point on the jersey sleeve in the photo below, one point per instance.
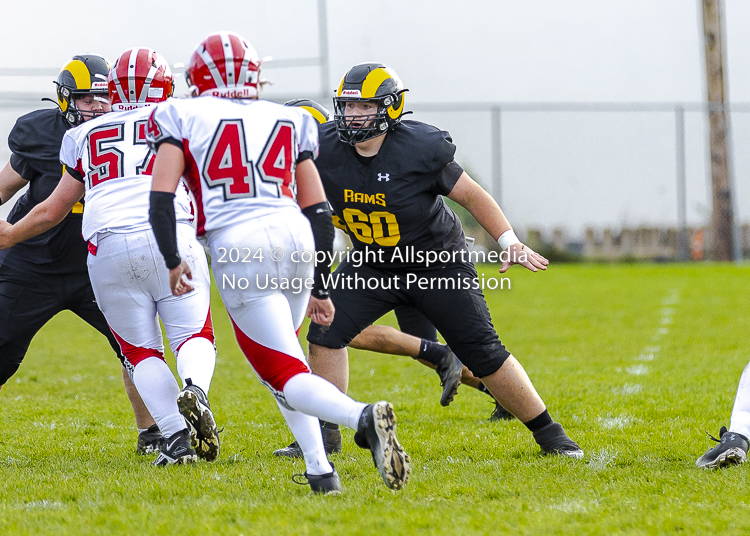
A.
x: 308, y: 138
x: 21, y: 143
x: 445, y: 169
x: 69, y: 156
x: 22, y: 166
x: 164, y: 125
x: 447, y: 178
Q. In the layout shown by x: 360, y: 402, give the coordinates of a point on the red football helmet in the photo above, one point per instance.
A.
x: 139, y: 77
x: 224, y: 65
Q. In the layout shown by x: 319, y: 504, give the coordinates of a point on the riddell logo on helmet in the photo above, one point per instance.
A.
x: 351, y: 93
x: 233, y: 93
x: 99, y: 85
x: 125, y: 106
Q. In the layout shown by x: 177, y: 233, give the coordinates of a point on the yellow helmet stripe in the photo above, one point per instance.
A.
x: 315, y: 113
x: 373, y: 81
x: 80, y: 74
x: 341, y: 87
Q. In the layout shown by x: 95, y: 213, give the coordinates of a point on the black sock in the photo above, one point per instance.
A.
x: 539, y: 422
x: 430, y: 351
x: 329, y: 425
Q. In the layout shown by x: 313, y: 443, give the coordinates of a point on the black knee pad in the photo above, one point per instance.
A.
x: 484, y: 358
x: 323, y: 336
x: 11, y: 356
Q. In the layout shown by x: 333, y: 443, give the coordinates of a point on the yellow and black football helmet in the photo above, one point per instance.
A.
x: 80, y: 76
x: 374, y: 82
x: 318, y: 111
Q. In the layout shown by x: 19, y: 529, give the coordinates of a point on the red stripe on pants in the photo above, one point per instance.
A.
x: 207, y: 332
x: 135, y: 354
x: 274, y: 367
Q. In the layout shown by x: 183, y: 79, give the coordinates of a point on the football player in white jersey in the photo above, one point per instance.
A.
x: 109, y: 160
x: 249, y: 164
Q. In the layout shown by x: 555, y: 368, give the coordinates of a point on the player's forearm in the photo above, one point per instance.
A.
x: 164, y: 224
x: 42, y: 218
x: 309, y: 187
x: 467, y: 193
x: 323, y: 231
x: 168, y: 167
x: 10, y: 183
x: 489, y: 215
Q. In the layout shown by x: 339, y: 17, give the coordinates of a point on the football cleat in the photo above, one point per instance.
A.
x: 553, y: 440
x: 176, y: 449
x: 377, y: 431
x: 731, y: 450
x: 327, y: 484
x: 449, y: 369
x: 500, y: 413
x: 149, y: 441
x: 331, y: 442
x: 204, y: 437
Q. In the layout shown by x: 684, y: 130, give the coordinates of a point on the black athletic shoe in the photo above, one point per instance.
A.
x: 327, y: 484
x: 377, y: 431
x: 500, y: 413
x: 553, y: 440
x: 149, y: 441
x: 194, y: 406
x: 331, y: 442
x: 731, y: 450
x: 176, y: 449
x: 449, y: 369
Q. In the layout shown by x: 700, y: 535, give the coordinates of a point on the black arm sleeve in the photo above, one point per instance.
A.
x: 304, y: 155
x: 164, y: 223
x: 323, y: 231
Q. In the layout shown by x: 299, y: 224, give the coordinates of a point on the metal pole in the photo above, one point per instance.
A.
x: 682, y: 239
x: 495, y: 189
x: 722, y: 225
x: 325, y: 73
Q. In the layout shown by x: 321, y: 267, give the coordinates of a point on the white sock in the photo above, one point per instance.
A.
x: 306, y: 431
x: 318, y: 397
x: 159, y: 390
x: 740, y: 422
x: 196, y: 360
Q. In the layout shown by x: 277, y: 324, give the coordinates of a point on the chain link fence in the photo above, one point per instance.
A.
x: 583, y: 180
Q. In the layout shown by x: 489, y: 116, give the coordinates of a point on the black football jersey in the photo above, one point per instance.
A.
x: 393, y: 201
x: 35, y: 143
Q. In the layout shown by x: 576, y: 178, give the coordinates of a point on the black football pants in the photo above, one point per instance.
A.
x: 28, y: 301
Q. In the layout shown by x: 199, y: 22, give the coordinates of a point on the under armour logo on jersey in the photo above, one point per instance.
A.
x: 385, y: 177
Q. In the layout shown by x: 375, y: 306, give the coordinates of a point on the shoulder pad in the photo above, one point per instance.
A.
x: 38, y: 135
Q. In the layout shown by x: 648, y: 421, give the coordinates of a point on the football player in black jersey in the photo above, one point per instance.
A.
x: 386, y: 178
x: 417, y: 339
x: 47, y: 274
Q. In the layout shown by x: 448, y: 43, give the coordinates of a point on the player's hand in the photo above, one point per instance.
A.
x: 523, y: 255
x: 320, y: 311
x: 5, y: 241
x: 179, y: 285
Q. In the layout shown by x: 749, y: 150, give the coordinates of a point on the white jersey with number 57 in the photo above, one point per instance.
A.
x: 240, y: 155
x: 109, y: 154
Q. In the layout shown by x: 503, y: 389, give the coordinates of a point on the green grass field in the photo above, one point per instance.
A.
x: 636, y: 361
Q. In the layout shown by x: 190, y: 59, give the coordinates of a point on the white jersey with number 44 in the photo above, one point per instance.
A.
x: 109, y: 154
x: 240, y: 155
